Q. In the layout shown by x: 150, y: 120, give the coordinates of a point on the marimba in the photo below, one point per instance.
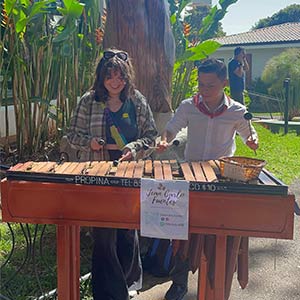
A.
x: 71, y: 195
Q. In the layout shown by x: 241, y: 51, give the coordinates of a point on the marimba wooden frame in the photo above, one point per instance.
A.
x: 71, y: 206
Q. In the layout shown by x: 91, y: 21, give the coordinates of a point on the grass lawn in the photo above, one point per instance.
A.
x: 281, y: 152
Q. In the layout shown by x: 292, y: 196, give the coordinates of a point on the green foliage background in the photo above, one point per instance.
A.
x: 277, y: 69
x: 281, y: 152
x: 289, y: 14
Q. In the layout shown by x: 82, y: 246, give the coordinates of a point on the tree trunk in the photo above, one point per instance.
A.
x: 142, y: 28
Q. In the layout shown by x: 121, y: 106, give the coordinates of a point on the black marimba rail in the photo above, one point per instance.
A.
x: 195, y: 186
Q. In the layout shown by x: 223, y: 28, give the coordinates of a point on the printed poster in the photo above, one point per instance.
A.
x: 165, y: 209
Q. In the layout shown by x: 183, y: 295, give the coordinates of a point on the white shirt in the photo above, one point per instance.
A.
x: 210, y: 138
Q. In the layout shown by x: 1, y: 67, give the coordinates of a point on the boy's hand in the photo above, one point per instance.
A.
x: 252, y: 143
x: 127, y: 155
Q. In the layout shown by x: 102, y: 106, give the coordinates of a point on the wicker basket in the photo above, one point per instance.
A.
x: 241, y: 168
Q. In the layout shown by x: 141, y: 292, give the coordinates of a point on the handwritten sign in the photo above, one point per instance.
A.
x: 164, y: 209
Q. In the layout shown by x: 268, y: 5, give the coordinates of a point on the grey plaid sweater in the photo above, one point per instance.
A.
x: 88, y: 122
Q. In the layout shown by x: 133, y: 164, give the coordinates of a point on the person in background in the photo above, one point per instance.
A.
x: 237, y: 68
x: 113, y: 121
x: 212, y: 119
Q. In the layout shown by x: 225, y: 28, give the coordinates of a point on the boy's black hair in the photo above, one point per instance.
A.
x: 212, y: 65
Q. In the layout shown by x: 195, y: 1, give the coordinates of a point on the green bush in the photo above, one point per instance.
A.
x: 280, y: 67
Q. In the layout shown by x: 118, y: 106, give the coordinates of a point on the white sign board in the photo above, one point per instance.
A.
x: 165, y: 209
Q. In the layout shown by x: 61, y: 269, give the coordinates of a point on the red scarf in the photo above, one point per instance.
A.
x: 203, y: 108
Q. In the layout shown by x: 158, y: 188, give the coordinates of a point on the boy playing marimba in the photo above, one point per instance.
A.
x: 212, y: 119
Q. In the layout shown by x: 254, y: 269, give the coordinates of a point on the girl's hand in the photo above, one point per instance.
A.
x: 162, y: 146
x: 95, y: 146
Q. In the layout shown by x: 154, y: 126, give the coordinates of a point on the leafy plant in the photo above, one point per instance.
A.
x: 280, y: 67
x: 45, y: 70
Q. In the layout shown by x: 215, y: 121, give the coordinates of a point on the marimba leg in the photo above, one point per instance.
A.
x: 233, y: 245
x: 210, y: 292
x: 195, y: 251
x: 68, y: 262
x: 217, y: 266
x: 208, y: 269
x: 220, y: 267
x: 202, y: 276
x: 210, y: 253
x: 243, y: 268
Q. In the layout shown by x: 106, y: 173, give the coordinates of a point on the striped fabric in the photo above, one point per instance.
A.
x: 88, y: 122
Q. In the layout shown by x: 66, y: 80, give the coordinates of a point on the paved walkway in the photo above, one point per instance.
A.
x: 274, y: 270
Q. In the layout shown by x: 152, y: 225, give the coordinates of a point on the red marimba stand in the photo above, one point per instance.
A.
x: 71, y: 195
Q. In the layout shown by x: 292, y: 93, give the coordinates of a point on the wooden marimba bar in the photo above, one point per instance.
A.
x: 71, y: 195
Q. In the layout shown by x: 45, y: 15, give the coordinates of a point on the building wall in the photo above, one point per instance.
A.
x: 260, y: 55
x: 11, y: 121
x: 202, y: 2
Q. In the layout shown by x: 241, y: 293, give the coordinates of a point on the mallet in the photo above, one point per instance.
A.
x: 147, y: 147
x: 117, y: 161
x: 248, y: 116
x: 100, y: 141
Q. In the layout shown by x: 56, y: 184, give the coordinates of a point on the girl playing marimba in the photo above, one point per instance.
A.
x: 113, y: 122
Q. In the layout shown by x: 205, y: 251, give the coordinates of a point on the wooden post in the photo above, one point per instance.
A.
x: 286, y: 106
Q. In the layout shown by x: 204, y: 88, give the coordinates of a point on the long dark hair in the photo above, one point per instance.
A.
x: 104, y: 70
